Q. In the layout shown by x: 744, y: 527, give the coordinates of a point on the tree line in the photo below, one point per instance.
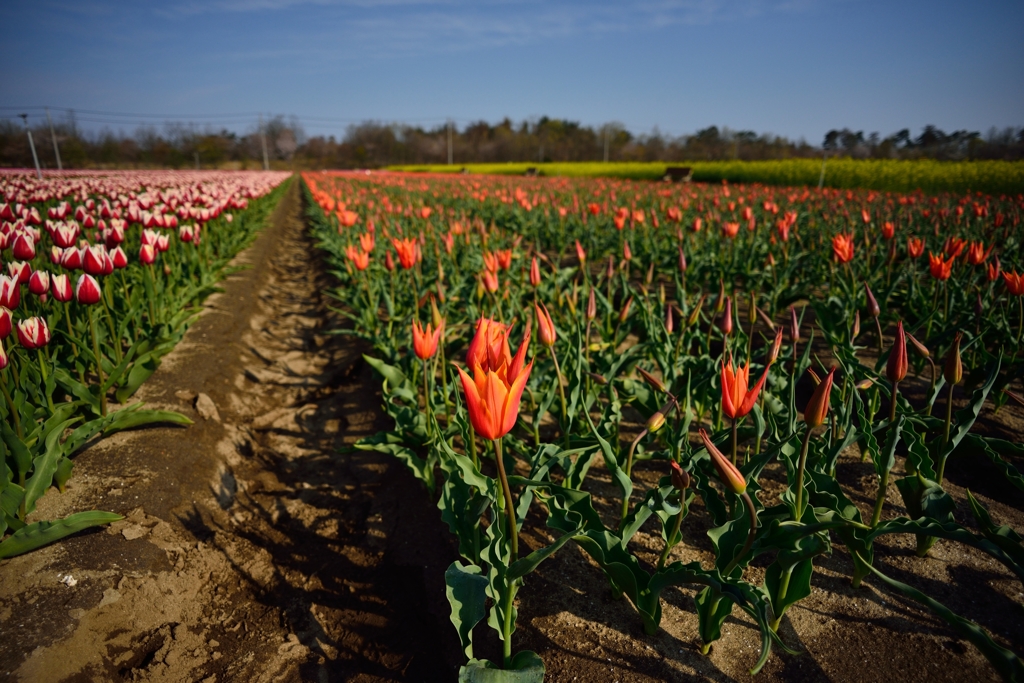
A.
x: 373, y: 144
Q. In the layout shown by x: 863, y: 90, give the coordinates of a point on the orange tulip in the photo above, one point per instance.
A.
x: 730, y: 229
x: 736, y: 400
x: 817, y: 408
x: 1014, y: 283
x: 940, y: 270
x: 493, y: 392
x: 424, y: 341
x: 534, y: 272
x: 842, y: 247
x: 976, y: 254
x: 408, y: 252
x: 545, y: 326
x: 915, y: 247
x: 896, y: 367
x: 490, y: 279
x: 888, y: 230
x: 489, y: 348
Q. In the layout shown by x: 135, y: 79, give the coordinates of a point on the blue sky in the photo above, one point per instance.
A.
x: 790, y: 67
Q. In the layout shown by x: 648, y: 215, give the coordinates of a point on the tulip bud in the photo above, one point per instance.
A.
x: 669, y: 321
x: 773, y: 355
x: 1017, y: 398
x: 534, y: 272
x: 752, y: 311
x: 625, y: 310
x: 600, y: 379
x: 87, y: 291
x: 817, y: 408
x: 728, y: 473
x: 720, y: 300
x: 655, y: 422
x: 627, y: 253
x: 680, y: 477
x: 725, y: 324
x: 656, y: 383
x: 591, y: 305
x: 954, y: 369
x: 545, y: 326
x: 581, y: 254
x: 873, y: 308
x: 650, y: 274
x: 682, y: 260
x: 920, y: 348
x: 435, y: 314
x: 865, y: 384
x: 33, y: 333
x: 896, y: 368
x: 794, y: 325
x: 856, y: 325
x: 695, y: 313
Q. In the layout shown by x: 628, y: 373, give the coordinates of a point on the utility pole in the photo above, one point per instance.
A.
x: 263, y: 137
x: 53, y: 136
x: 449, y: 142
x: 606, y: 144
x: 32, y: 144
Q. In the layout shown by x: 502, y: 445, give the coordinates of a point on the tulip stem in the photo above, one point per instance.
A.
x: 878, y: 326
x: 10, y: 406
x: 629, y: 471
x: 800, y: 476
x: 510, y: 511
x: 945, y: 434
x: 561, y: 397
x: 99, y: 363
x: 42, y: 371
x: 426, y: 399
x: 752, y: 514
x: 735, y: 430
x: 672, y: 539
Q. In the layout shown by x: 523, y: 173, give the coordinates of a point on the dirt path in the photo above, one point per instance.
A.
x: 253, y: 549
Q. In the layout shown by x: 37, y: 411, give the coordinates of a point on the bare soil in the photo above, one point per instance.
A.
x: 256, y: 547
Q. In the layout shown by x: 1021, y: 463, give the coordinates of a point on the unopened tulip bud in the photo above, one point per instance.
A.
x: 794, y: 325
x: 682, y: 260
x: 752, y: 311
x: 625, y: 310
x: 725, y: 324
x: 921, y: 349
x: 670, y: 323
x: 661, y: 294
x: 866, y: 384
x: 435, y: 314
x: 768, y: 322
x: 627, y: 253
x: 610, y: 272
x: 720, y: 301
x: 534, y: 272
x: 591, y: 305
x: 728, y: 473
x: 873, y: 308
x: 656, y: 383
x: 600, y: 379
x: 773, y: 355
x: 680, y: 477
x: 856, y: 325
x: 655, y: 422
x: 545, y: 326
x: 695, y: 313
x: 896, y: 368
x: 814, y: 376
x: 817, y: 408
x: 650, y: 274
x: 954, y: 368
x: 1016, y: 398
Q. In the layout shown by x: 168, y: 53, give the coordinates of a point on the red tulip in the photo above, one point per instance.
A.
x: 39, y: 282
x: 697, y: 223
x: 20, y: 270
x: 736, y: 400
x: 23, y: 249
x: 993, y: 270
x: 680, y: 477
x: 730, y: 229
x: 581, y: 254
x: 725, y: 324
x: 888, y: 230
x: 6, y: 323
x: 424, y: 341
x: 147, y: 254
x: 976, y: 254
x: 94, y: 259
x: 728, y: 473
x: 60, y: 285
x: 493, y: 394
x: 87, y: 291
x: 873, y: 308
x: 407, y: 252
x: 915, y: 247
x: 33, y: 333
x: 10, y: 292
x: 534, y: 272
x: 118, y: 258
x: 490, y: 280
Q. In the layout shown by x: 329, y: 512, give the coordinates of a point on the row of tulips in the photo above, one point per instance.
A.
x: 101, y: 281
x: 640, y: 331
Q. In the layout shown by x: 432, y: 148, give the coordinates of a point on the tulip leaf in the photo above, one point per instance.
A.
x: 38, y: 534
x: 1005, y: 661
x: 525, y: 667
x: 467, y: 594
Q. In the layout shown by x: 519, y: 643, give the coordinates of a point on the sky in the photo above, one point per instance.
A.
x: 796, y: 68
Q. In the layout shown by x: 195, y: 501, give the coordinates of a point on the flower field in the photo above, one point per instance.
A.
x: 102, y: 274
x: 990, y: 177
x: 601, y: 358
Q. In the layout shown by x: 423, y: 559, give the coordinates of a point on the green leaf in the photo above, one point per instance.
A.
x: 1005, y: 661
x: 39, y: 534
x: 142, y: 370
x: 467, y: 594
x: 525, y: 667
